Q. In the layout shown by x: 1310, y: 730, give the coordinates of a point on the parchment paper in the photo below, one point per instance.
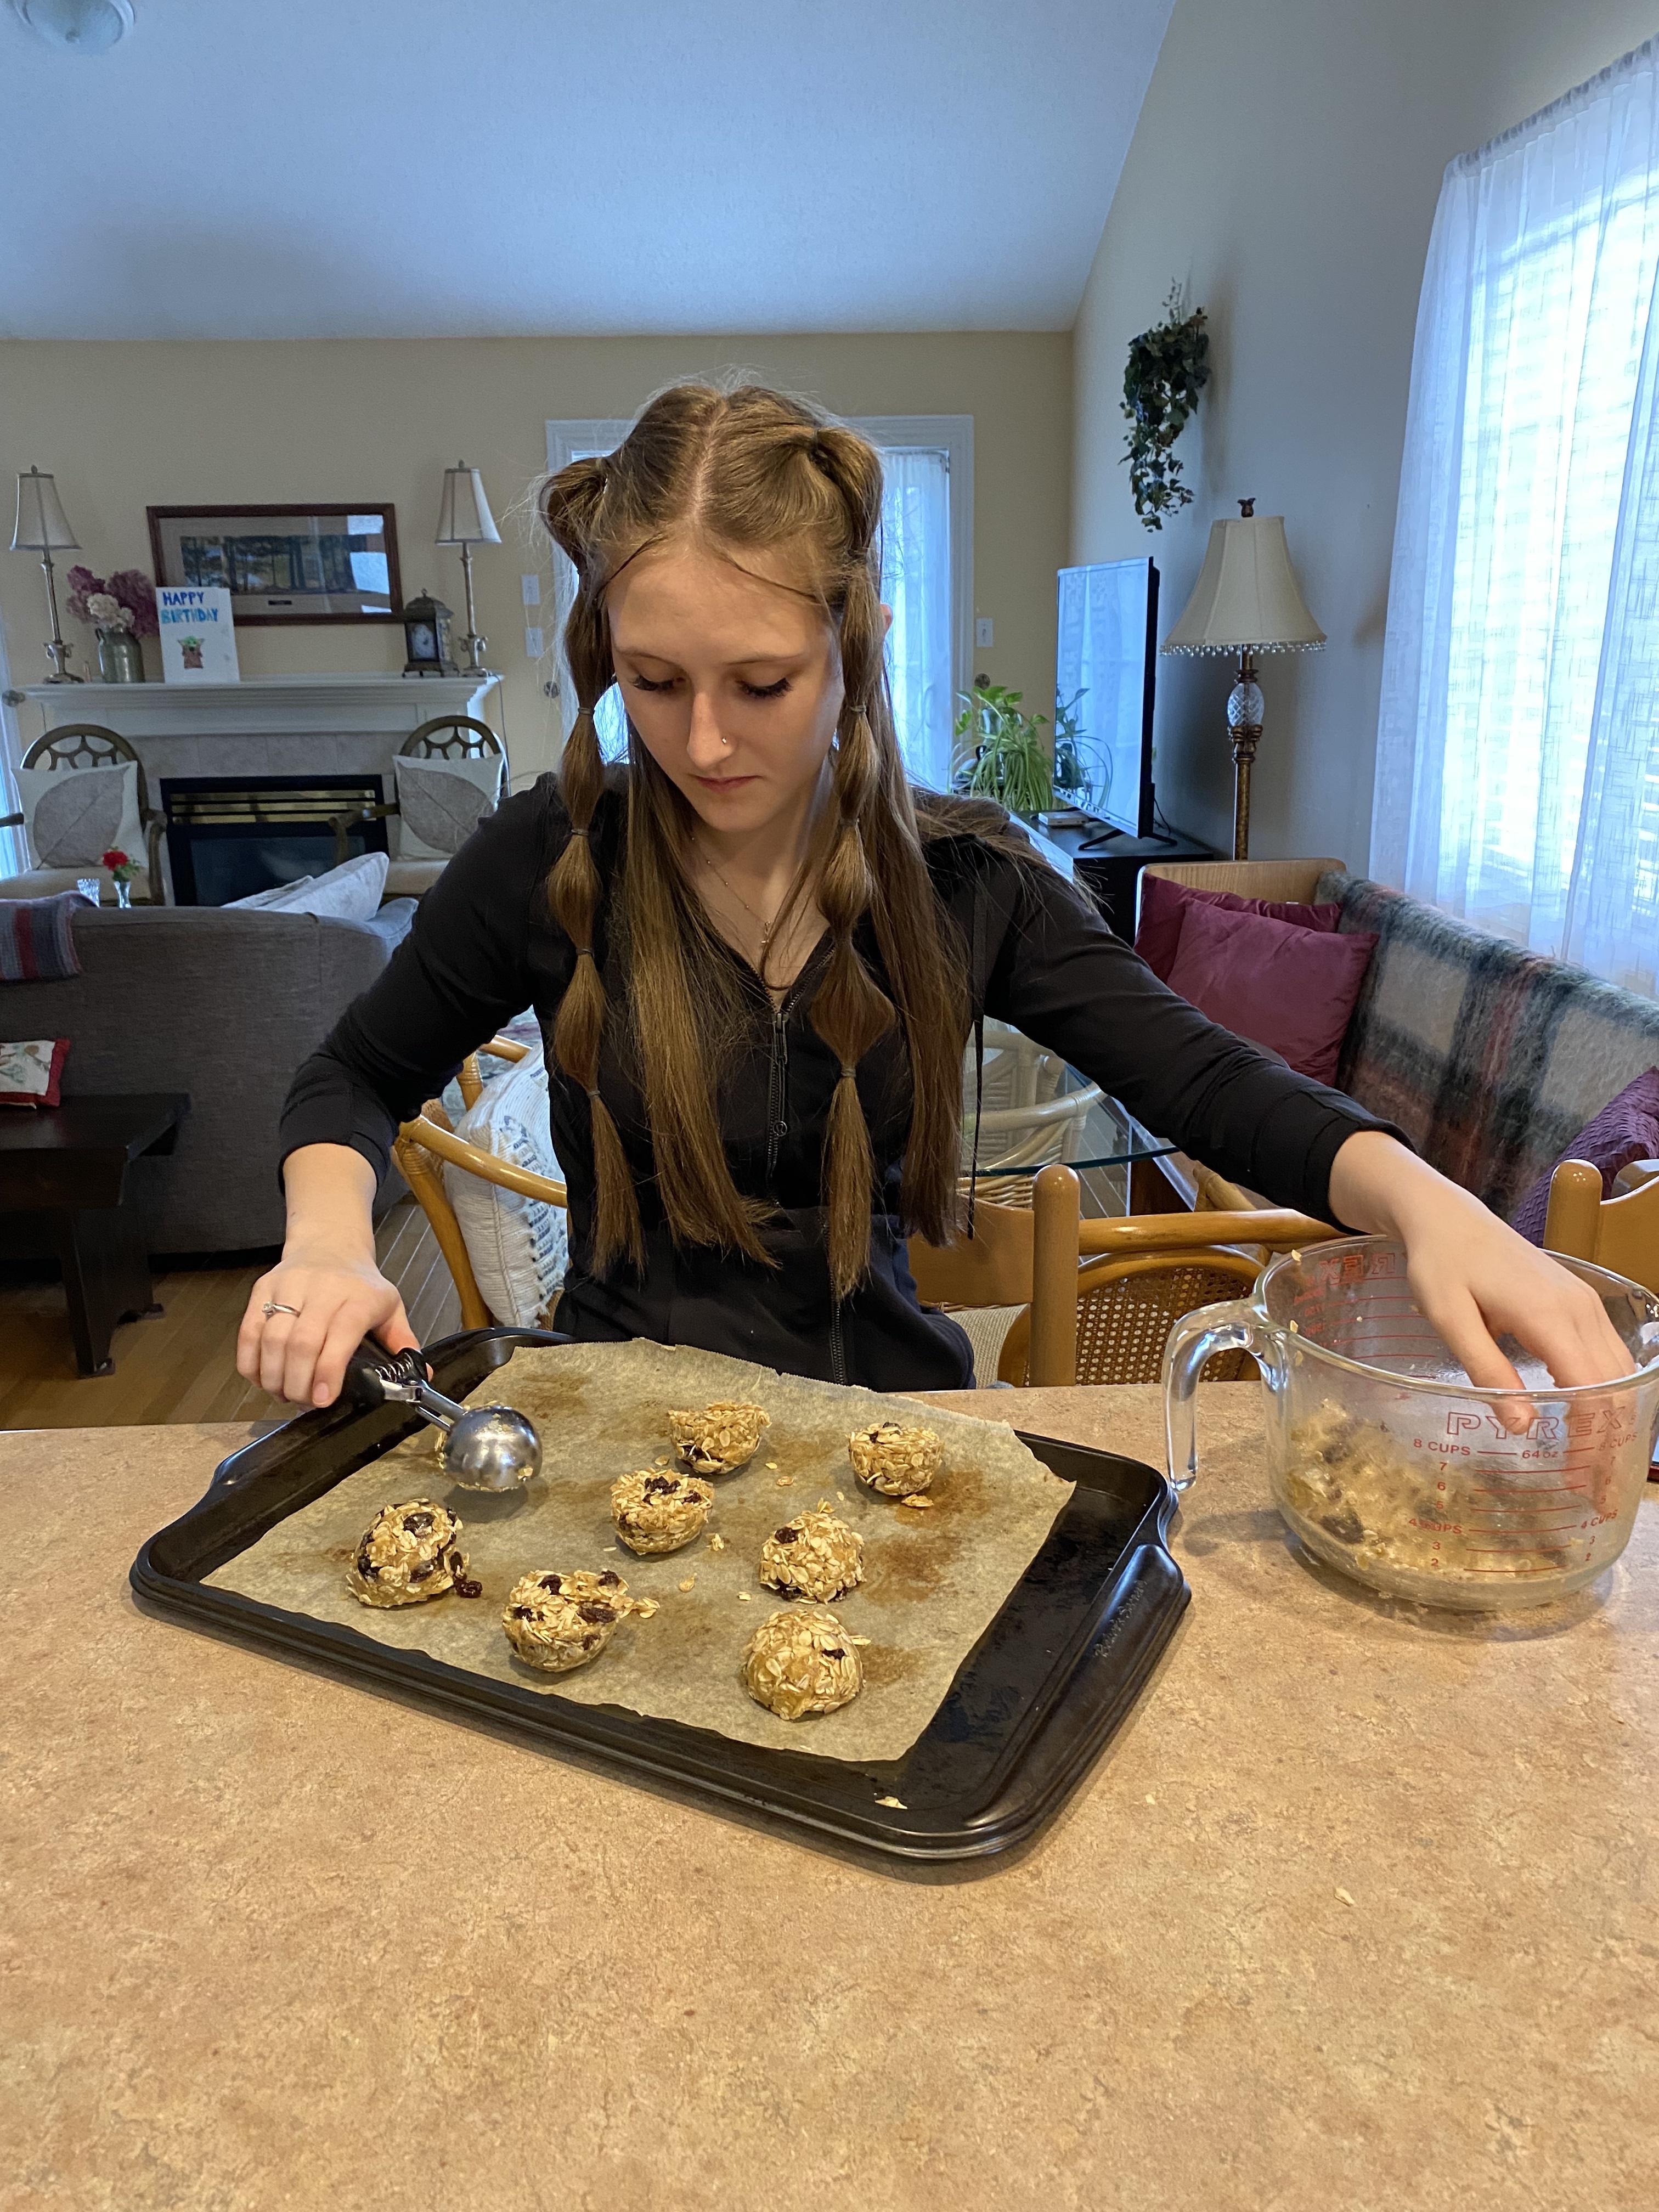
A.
x: 933, y: 1580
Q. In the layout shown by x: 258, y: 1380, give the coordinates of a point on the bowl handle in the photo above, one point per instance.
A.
x: 1236, y: 1325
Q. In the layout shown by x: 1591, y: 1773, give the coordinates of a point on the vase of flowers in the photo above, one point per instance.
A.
x: 124, y: 871
x: 122, y: 610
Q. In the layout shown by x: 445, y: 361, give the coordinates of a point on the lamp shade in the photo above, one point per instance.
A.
x: 41, y: 525
x: 1246, y: 594
x: 465, y: 518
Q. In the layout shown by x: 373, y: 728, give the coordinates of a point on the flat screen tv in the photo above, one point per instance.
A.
x: 1103, y: 674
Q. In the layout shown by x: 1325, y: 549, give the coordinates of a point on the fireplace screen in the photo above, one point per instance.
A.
x: 229, y: 835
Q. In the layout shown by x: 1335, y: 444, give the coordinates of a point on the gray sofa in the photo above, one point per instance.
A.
x: 222, y: 1003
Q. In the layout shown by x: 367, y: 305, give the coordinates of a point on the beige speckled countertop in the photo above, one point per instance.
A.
x: 1358, y: 1911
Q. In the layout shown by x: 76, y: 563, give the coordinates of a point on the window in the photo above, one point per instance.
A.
x: 1512, y: 703
x: 926, y: 577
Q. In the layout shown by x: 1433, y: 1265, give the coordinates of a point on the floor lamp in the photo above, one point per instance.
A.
x: 1246, y: 601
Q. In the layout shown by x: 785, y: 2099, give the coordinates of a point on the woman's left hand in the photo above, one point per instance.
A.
x: 1473, y: 1277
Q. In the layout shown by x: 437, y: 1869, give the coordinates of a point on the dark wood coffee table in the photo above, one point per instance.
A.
x: 63, y: 1185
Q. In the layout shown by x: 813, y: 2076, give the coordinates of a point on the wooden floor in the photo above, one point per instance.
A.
x: 180, y: 1365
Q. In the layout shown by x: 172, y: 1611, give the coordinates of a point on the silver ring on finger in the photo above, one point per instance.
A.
x: 276, y: 1306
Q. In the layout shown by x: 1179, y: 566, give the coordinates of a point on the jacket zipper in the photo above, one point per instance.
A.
x: 777, y: 1128
x: 777, y: 1089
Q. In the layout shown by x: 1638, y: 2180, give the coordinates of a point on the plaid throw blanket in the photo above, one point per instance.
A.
x: 1489, y: 1057
x: 37, y: 944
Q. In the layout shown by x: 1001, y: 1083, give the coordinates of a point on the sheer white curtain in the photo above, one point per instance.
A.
x: 922, y: 579
x: 915, y: 582
x: 1521, y: 673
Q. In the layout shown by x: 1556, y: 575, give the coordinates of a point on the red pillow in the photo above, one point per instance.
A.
x: 1163, y: 904
x: 1289, y: 989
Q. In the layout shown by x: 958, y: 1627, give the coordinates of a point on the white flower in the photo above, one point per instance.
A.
x: 106, y: 610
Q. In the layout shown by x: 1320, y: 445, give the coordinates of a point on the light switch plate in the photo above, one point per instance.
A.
x: 531, y: 588
x: 532, y: 642
x: 984, y: 631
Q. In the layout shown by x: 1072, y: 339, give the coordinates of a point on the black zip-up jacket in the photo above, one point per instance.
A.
x: 483, y: 946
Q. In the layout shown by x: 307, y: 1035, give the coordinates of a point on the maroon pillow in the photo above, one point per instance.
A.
x: 1289, y: 989
x: 1625, y: 1129
x: 1163, y: 904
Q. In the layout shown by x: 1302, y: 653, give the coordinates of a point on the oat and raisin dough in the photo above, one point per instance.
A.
x: 720, y: 1439
x: 802, y: 1662
x: 900, y: 1463
x: 657, y: 1511
x: 815, y: 1556
x: 408, y: 1554
x: 556, y: 1622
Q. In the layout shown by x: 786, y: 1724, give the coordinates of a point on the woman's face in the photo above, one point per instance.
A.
x: 732, y: 682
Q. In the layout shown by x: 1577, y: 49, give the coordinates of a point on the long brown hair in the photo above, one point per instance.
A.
x: 750, y: 470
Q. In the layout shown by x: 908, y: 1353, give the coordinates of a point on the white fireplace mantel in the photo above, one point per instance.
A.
x: 262, y: 706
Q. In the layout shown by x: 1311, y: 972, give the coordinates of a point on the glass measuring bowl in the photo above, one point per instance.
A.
x: 1389, y: 1464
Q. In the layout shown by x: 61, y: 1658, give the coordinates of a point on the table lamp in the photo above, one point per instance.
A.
x: 1246, y: 601
x: 42, y: 527
x: 465, y: 519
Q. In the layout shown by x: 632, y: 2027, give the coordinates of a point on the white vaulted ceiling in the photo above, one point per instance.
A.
x: 289, y: 169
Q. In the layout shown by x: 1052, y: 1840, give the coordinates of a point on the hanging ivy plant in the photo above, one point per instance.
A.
x: 1168, y: 366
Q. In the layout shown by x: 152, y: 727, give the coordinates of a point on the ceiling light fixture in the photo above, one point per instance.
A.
x: 79, y: 26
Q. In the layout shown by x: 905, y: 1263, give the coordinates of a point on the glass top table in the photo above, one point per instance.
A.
x: 1034, y: 1108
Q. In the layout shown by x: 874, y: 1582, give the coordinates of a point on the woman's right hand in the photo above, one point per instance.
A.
x: 302, y: 1356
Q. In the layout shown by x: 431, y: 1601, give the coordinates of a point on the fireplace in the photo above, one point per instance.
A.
x: 229, y: 835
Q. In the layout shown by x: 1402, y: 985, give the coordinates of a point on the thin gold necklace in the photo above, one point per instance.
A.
x: 767, y: 929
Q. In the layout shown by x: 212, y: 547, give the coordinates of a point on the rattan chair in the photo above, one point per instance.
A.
x: 1620, y: 1232
x: 1106, y: 1320
x: 421, y: 1150
x: 90, y: 745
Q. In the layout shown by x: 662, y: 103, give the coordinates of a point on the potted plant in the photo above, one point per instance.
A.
x: 122, y: 611
x: 1001, y: 753
x: 1168, y: 366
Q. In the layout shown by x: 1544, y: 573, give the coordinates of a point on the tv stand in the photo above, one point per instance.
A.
x: 1111, y: 875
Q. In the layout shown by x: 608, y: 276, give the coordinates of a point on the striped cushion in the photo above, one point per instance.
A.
x: 37, y: 944
x: 1491, y: 1058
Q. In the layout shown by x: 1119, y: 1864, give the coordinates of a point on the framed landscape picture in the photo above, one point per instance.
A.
x: 284, y: 564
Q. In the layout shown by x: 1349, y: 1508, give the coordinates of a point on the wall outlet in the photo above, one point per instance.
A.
x: 533, y: 647
x: 531, y: 588
x: 984, y: 631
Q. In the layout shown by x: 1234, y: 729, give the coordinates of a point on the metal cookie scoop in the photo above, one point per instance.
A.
x: 484, y: 1448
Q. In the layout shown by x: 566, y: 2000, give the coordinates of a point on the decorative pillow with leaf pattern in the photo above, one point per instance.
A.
x: 76, y: 815
x: 441, y: 803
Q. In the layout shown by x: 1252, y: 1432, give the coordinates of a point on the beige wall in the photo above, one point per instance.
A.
x: 129, y: 426
x: 1286, y: 167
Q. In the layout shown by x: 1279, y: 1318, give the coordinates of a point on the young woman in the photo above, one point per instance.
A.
x: 756, y: 956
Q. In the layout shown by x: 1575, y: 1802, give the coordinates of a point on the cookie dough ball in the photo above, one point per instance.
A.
x: 409, y: 1553
x: 720, y: 1439
x: 900, y: 1463
x: 801, y: 1662
x: 817, y: 1556
x: 655, y: 1511
x: 556, y: 1622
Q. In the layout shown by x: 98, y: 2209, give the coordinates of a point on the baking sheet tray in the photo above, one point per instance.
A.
x: 934, y: 1576
x: 1045, y: 1683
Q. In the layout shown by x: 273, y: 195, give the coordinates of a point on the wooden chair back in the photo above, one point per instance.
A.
x: 1201, y: 1254
x: 451, y: 737
x: 91, y: 744
x: 421, y: 1149
x: 991, y: 1268
x: 1263, y: 879
x: 1620, y: 1232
